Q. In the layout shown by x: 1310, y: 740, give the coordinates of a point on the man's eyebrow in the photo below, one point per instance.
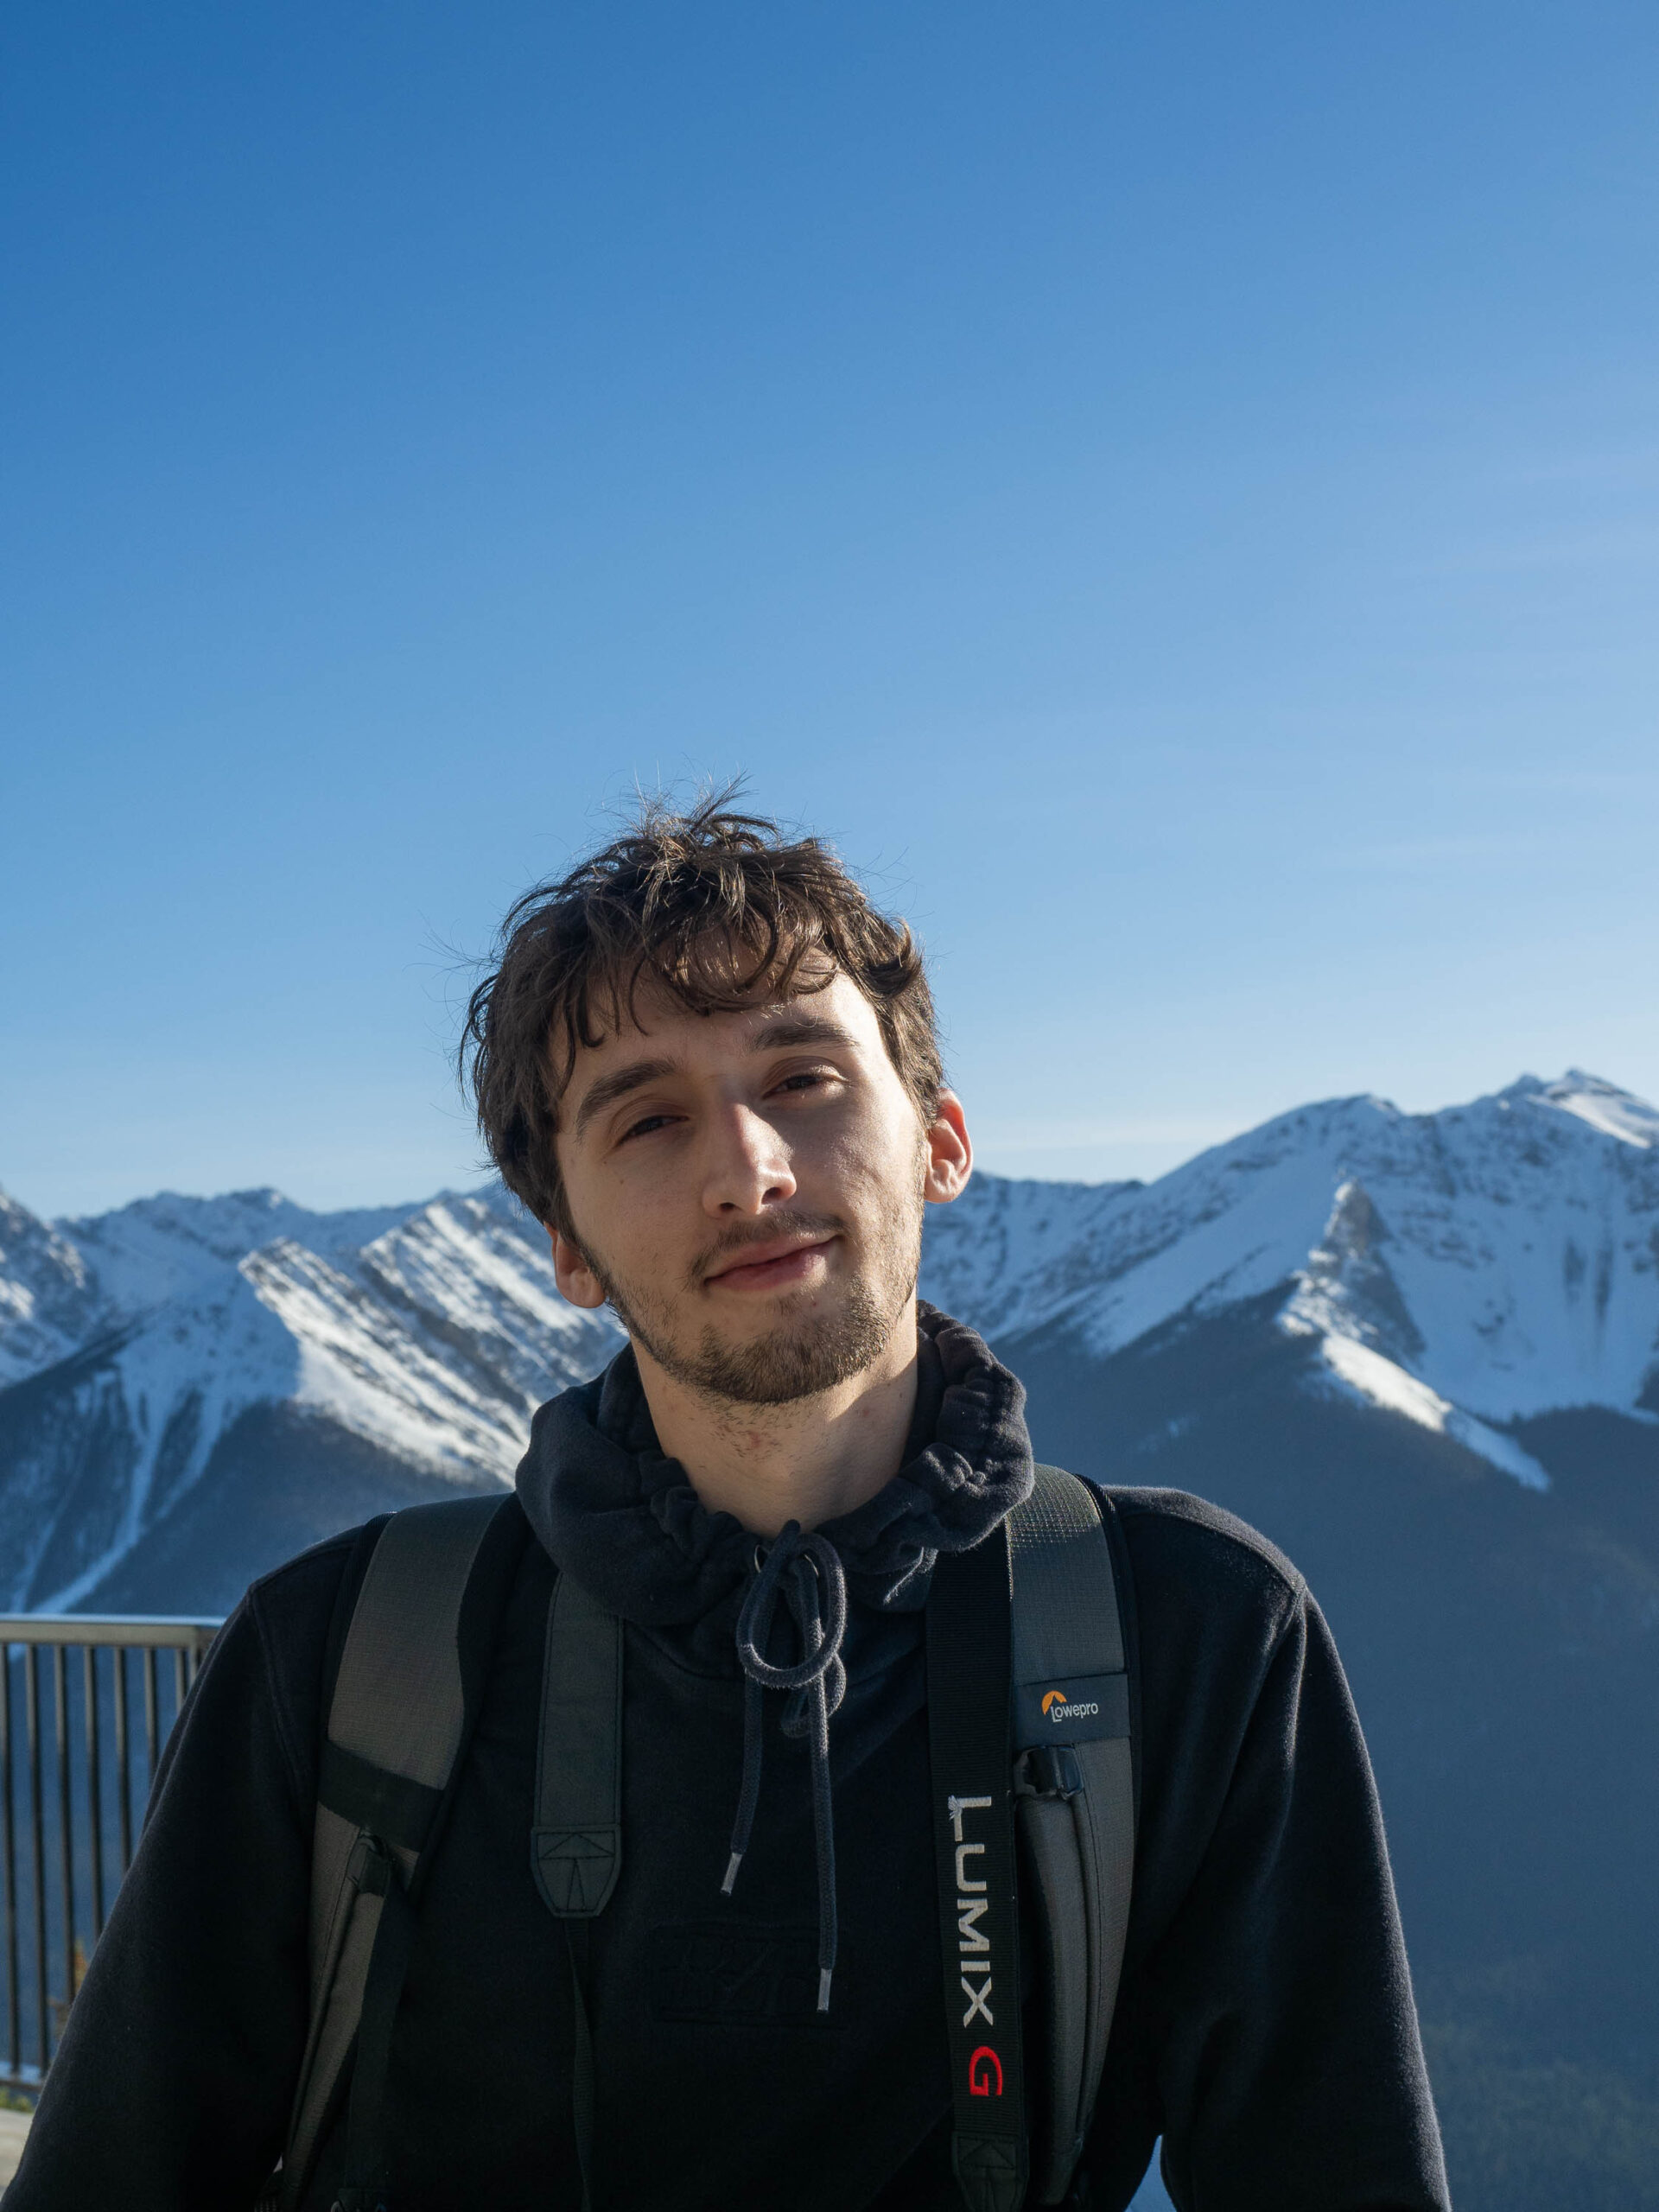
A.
x: 799, y: 1029
x: 610, y: 1088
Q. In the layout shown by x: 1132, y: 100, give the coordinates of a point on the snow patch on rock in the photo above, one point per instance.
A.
x: 1367, y: 1374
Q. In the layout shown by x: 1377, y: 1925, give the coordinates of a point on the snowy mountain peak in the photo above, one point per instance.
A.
x: 428, y: 1332
x: 1613, y: 1112
x: 1503, y: 1254
x: 1348, y: 1288
x: 47, y: 1294
x: 167, y: 1246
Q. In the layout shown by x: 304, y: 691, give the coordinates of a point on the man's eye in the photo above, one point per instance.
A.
x: 646, y: 1125
x: 808, y: 1081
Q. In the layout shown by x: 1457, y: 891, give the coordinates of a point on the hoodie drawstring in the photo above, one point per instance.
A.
x: 806, y: 1570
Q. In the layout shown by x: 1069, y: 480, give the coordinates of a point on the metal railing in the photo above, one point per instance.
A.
x: 86, y: 1706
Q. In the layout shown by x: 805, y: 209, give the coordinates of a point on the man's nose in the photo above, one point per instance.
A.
x: 749, y: 1167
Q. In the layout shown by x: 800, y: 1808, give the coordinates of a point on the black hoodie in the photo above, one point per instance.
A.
x: 1265, y: 2025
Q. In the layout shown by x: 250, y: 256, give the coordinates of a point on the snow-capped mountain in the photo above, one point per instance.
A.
x: 1463, y: 1270
x: 145, y: 1345
x: 1476, y: 1265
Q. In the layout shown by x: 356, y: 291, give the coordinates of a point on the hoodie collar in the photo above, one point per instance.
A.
x: 615, y: 1512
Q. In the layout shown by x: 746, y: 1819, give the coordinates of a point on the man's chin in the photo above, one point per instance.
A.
x: 796, y: 1357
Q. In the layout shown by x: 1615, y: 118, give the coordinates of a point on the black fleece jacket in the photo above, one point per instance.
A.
x: 1265, y: 2026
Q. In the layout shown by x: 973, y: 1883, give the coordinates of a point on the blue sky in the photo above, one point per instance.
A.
x: 1173, y: 491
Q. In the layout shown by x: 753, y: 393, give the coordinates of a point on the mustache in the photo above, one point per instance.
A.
x: 809, y: 1228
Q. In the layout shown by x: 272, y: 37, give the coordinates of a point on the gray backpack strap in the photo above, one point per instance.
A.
x: 576, y: 1845
x: 394, y: 1728
x: 1075, y: 1801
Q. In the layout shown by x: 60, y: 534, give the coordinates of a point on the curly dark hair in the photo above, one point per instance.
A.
x: 711, y: 905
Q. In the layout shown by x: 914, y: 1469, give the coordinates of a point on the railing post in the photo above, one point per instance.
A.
x: 14, y: 2013
x: 65, y: 1820
x: 36, y: 1847
x: 152, y: 1719
x: 122, y: 1759
x: 93, y: 1738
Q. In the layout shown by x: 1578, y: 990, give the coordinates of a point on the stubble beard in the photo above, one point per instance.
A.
x: 807, y: 1351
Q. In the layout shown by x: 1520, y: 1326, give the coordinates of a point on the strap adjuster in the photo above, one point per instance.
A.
x: 1048, y: 1771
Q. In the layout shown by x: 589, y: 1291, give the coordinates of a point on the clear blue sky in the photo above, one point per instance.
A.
x: 1172, y: 490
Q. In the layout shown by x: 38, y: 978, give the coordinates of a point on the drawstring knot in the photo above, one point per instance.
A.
x: 806, y: 1572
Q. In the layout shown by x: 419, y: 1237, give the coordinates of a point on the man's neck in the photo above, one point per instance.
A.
x: 810, y: 1460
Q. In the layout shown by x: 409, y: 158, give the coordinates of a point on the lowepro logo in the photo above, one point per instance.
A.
x: 1059, y: 1707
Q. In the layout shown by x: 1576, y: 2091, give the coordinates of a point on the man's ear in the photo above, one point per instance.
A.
x: 950, y: 1153
x: 575, y: 1278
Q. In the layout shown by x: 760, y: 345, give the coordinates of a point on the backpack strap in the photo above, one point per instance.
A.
x: 395, y: 1728
x: 1074, y: 1787
x: 969, y: 1657
x: 576, y: 1844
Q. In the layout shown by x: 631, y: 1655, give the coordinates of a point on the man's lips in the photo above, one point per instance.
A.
x: 776, y: 1265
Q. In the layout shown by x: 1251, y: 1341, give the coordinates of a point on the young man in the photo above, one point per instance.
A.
x: 711, y: 1069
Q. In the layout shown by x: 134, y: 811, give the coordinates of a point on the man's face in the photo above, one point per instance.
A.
x: 746, y: 1190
